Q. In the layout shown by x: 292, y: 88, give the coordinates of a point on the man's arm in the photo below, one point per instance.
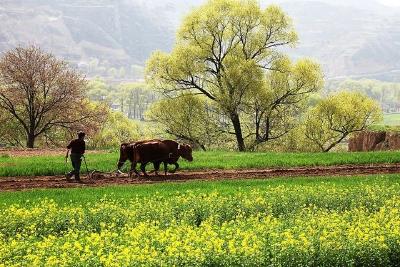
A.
x: 68, y: 148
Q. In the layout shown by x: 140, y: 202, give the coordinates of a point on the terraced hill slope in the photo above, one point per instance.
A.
x: 349, y: 38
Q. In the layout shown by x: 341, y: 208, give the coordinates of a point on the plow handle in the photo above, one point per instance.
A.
x: 84, y: 160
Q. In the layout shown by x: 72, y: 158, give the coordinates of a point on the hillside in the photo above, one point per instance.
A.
x: 120, y: 33
x: 349, y: 38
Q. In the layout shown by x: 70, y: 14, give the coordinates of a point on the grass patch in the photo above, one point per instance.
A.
x: 79, y: 196
x: 55, y: 165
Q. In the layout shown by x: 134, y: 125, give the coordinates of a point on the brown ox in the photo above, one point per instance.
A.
x: 126, y: 152
x: 157, y: 152
x: 175, y: 150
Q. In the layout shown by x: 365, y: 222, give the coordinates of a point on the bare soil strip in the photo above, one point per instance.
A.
x: 24, y: 183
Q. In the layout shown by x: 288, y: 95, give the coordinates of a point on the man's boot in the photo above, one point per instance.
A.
x: 77, y: 178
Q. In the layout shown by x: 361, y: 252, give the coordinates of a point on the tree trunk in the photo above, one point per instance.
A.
x: 335, y: 143
x: 30, y: 142
x: 238, y: 131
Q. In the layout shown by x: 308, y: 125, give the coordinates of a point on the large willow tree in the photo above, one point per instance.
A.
x: 230, y: 51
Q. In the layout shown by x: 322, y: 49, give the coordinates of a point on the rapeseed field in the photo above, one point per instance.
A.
x: 305, y: 224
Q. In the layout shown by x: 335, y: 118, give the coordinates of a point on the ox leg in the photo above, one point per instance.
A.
x: 143, y: 168
x: 156, y: 165
x: 119, y: 166
x: 133, y: 170
x: 176, y: 167
x: 165, y: 168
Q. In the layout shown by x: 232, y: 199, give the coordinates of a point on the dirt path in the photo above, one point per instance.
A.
x: 23, y: 183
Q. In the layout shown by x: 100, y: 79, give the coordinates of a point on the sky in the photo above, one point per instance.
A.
x: 390, y: 2
x: 385, y: 2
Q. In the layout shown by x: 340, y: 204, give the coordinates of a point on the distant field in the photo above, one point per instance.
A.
x: 391, y: 123
x: 337, y: 221
x: 392, y: 119
x: 55, y: 165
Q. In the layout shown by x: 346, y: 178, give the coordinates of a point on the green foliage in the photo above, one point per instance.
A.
x: 113, y: 71
x: 132, y: 99
x: 226, y: 50
x: 189, y: 118
x: 11, y: 132
x: 277, y: 107
x: 116, y: 129
x: 135, y: 99
x: 98, y: 90
x: 339, y: 115
x: 294, y: 141
x: 386, y: 93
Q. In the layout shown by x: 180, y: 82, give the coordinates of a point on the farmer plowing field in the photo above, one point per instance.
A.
x: 77, y: 147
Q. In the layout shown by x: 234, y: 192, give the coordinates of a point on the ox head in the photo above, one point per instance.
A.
x: 185, y: 151
x: 124, y: 154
